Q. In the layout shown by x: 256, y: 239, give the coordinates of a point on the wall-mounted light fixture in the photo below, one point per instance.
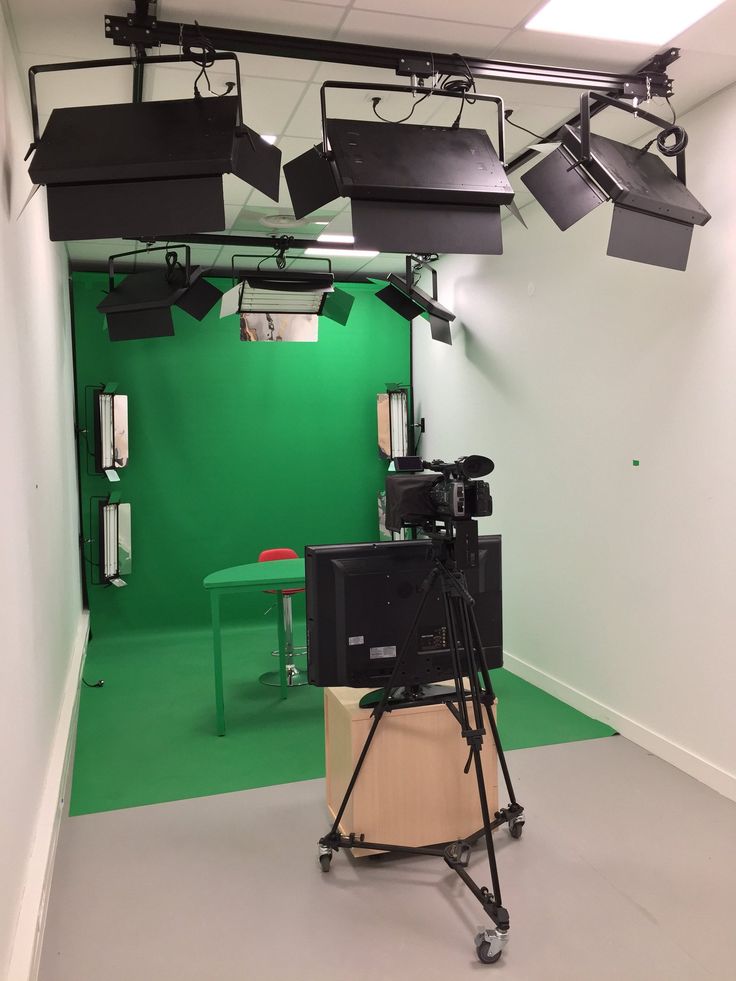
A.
x: 392, y: 408
x: 140, y: 305
x: 653, y: 211
x: 409, y: 301
x: 412, y: 188
x: 141, y: 169
x: 111, y: 431
x: 115, y: 552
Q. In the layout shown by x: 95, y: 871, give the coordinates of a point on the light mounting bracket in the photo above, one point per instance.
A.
x: 635, y: 110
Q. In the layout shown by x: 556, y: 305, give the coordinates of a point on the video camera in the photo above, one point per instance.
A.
x: 451, y: 493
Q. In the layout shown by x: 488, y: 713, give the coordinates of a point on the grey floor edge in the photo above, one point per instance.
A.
x: 626, y: 870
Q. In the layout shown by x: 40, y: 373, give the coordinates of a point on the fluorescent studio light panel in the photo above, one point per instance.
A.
x: 111, y: 430
x: 286, y: 291
x: 115, y: 555
x: 392, y: 409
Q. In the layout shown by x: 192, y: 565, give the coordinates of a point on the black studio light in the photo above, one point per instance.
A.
x: 140, y: 306
x: 143, y: 169
x: 409, y: 301
x: 286, y: 291
x: 653, y: 211
x: 412, y: 188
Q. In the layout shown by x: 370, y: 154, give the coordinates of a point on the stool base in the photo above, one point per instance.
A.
x: 294, y: 677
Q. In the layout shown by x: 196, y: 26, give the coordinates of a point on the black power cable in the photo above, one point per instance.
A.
x: 206, y: 60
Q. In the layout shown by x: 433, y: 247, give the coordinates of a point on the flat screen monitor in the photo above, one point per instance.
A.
x: 361, y: 602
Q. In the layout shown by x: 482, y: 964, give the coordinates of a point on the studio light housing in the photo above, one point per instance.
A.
x: 412, y: 188
x: 140, y: 305
x: 115, y: 552
x: 111, y: 431
x: 286, y: 291
x: 654, y: 212
x: 409, y: 301
x: 142, y: 169
x: 392, y: 409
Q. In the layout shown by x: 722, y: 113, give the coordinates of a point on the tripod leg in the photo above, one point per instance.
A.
x: 514, y: 811
x: 476, y: 744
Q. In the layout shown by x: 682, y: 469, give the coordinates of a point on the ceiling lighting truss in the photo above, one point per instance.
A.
x: 650, y: 79
x: 151, y: 31
x: 654, y: 212
x: 141, y: 169
x: 412, y: 188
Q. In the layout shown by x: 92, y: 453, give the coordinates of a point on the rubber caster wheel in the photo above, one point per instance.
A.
x: 516, y: 828
x: 325, y: 861
x: 485, y: 956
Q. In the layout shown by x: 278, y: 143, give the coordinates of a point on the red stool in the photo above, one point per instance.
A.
x: 294, y: 677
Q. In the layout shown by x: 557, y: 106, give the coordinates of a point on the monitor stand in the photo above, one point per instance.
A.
x: 410, y: 695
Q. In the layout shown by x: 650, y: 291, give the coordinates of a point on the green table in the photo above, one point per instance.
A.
x: 253, y: 577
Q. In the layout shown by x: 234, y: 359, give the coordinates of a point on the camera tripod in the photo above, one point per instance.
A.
x: 455, y: 550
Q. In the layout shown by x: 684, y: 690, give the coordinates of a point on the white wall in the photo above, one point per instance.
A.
x: 40, y: 604
x: 568, y: 364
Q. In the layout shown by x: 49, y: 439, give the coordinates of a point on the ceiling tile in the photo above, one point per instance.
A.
x: 697, y: 75
x: 235, y: 190
x: 61, y: 32
x: 538, y: 47
x: 369, y: 27
x: 500, y: 13
x: 714, y: 33
x: 275, y: 16
x: 86, y: 87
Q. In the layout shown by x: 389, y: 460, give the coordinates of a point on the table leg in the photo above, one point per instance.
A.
x: 217, y: 651
x: 282, y: 646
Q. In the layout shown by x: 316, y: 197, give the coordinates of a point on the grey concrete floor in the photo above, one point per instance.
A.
x: 626, y: 870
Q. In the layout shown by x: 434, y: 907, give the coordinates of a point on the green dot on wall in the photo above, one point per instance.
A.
x: 635, y: 463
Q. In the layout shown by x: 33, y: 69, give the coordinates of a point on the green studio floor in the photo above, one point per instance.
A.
x: 148, y: 735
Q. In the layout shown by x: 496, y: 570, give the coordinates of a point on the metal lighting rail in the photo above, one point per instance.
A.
x: 135, y: 30
x: 249, y: 241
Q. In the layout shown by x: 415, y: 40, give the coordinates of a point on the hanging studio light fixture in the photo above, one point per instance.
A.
x: 140, y: 306
x: 286, y: 291
x: 409, y: 301
x: 143, y: 169
x: 412, y: 188
x: 654, y: 212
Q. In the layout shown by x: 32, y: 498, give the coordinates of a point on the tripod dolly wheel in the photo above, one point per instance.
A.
x: 484, y: 954
x: 516, y: 826
x: 325, y: 858
x: 489, y: 945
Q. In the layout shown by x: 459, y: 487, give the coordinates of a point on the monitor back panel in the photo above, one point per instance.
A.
x: 362, y: 600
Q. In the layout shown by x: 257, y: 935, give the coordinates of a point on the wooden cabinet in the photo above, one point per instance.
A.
x: 412, y: 789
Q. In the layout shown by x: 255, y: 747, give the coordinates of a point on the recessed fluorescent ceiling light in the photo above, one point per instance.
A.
x: 269, y: 139
x: 346, y: 239
x: 653, y: 22
x: 348, y: 253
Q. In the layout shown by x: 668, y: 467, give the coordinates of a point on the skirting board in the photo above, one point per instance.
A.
x: 681, y: 757
x: 26, y: 953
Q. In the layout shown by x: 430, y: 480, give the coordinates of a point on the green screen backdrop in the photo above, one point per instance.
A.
x: 234, y: 447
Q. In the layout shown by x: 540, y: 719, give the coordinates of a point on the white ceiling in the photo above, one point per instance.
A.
x: 281, y: 95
